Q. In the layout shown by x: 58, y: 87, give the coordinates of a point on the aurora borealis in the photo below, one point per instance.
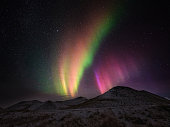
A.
x: 113, y: 71
x: 84, y: 42
x: 62, y: 49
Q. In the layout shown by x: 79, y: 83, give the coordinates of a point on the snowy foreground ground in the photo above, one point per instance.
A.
x: 119, y: 107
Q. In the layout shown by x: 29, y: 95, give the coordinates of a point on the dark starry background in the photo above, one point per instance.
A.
x: 30, y: 29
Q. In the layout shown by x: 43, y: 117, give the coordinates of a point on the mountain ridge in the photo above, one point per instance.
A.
x: 116, y: 96
x: 119, y: 107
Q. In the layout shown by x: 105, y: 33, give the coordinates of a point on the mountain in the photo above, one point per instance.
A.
x: 75, y: 101
x: 123, y: 96
x: 118, y: 107
x: 36, y: 105
x: 25, y: 106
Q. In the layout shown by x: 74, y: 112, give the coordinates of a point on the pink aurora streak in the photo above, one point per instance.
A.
x: 112, y: 71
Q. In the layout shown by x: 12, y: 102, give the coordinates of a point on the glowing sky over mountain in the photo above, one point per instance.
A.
x: 80, y: 47
x: 112, y: 71
x: 56, y: 49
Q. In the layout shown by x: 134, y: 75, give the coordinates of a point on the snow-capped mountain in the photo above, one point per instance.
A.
x: 25, y: 106
x: 123, y: 96
x: 118, y: 107
x: 75, y: 101
x: 36, y: 105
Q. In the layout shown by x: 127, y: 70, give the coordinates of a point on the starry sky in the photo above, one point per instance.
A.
x: 61, y: 49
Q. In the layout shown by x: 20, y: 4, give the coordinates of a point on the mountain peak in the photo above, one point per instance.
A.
x: 119, y: 91
x: 118, y: 88
x: 123, y: 96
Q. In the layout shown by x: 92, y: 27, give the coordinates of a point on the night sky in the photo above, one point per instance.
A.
x: 61, y: 49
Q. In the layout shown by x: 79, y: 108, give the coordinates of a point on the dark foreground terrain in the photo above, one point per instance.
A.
x: 118, y: 107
